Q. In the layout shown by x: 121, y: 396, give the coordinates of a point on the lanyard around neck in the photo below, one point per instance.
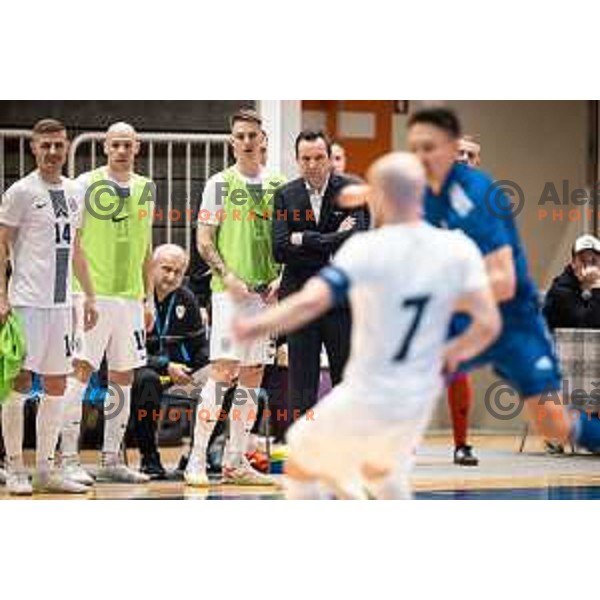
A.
x: 162, y: 330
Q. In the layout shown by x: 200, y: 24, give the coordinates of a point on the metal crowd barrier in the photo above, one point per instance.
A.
x: 21, y: 136
x: 204, y: 154
x: 578, y: 351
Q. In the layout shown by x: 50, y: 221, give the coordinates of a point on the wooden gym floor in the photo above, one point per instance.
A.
x: 503, y: 473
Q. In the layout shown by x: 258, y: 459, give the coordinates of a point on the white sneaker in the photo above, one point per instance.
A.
x: 54, y: 482
x: 3, y: 476
x: 244, y: 474
x: 195, y: 473
x: 73, y: 470
x: 119, y: 473
x: 18, y: 484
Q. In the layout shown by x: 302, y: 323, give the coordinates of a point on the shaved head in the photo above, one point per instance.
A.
x: 394, y: 192
x: 400, y: 177
x: 121, y: 128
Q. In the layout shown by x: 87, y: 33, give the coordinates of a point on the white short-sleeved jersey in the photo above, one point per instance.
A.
x: 46, y: 217
x: 404, y: 283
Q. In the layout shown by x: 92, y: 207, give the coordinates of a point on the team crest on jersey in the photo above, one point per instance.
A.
x: 180, y: 311
x: 544, y: 363
x: 459, y: 201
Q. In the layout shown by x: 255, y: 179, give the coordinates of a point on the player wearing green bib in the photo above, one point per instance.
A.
x: 117, y: 237
x: 116, y: 234
x: 234, y: 238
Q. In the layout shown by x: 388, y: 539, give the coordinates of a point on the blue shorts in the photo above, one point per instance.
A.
x: 523, y: 355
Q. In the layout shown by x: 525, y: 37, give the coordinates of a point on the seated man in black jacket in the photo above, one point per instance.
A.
x: 573, y: 300
x: 177, y: 348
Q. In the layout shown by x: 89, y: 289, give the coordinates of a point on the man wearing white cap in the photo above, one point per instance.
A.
x: 573, y: 300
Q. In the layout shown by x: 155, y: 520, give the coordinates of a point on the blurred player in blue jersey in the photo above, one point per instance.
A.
x: 460, y: 387
x: 460, y: 197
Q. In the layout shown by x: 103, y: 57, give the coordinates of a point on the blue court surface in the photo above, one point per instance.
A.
x: 579, y: 492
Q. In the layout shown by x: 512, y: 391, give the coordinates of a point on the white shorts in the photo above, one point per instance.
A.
x: 119, y: 332
x: 222, y: 344
x: 347, y: 432
x: 48, y: 339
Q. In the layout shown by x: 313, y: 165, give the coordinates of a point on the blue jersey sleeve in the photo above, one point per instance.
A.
x: 484, y: 220
x: 338, y: 282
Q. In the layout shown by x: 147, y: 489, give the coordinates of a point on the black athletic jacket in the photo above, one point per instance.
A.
x: 178, y: 334
x: 566, y: 305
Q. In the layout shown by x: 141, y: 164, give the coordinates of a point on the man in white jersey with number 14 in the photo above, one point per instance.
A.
x: 404, y: 280
x: 39, y: 227
x: 117, y: 238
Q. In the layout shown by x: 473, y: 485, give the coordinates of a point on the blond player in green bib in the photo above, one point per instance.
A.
x: 117, y: 237
x: 234, y: 238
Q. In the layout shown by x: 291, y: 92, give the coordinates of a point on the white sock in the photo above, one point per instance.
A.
x: 71, y: 426
x: 394, y: 487
x: 301, y: 490
x: 12, y: 429
x: 252, y: 443
x: 351, y: 489
x: 240, y: 426
x: 116, y: 424
x: 206, y: 419
x: 49, y: 422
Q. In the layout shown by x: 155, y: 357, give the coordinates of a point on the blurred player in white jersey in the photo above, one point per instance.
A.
x: 116, y: 235
x: 39, y: 227
x: 404, y: 280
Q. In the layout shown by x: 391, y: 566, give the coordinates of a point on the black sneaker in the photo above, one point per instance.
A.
x: 183, y: 461
x: 152, y: 467
x: 463, y: 455
x: 553, y: 447
x: 212, y: 466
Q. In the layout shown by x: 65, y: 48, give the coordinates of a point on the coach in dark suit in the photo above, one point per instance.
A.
x: 308, y: 228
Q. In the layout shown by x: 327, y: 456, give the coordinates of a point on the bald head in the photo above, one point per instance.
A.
x: 170, y: 263
x: 399, y: 177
